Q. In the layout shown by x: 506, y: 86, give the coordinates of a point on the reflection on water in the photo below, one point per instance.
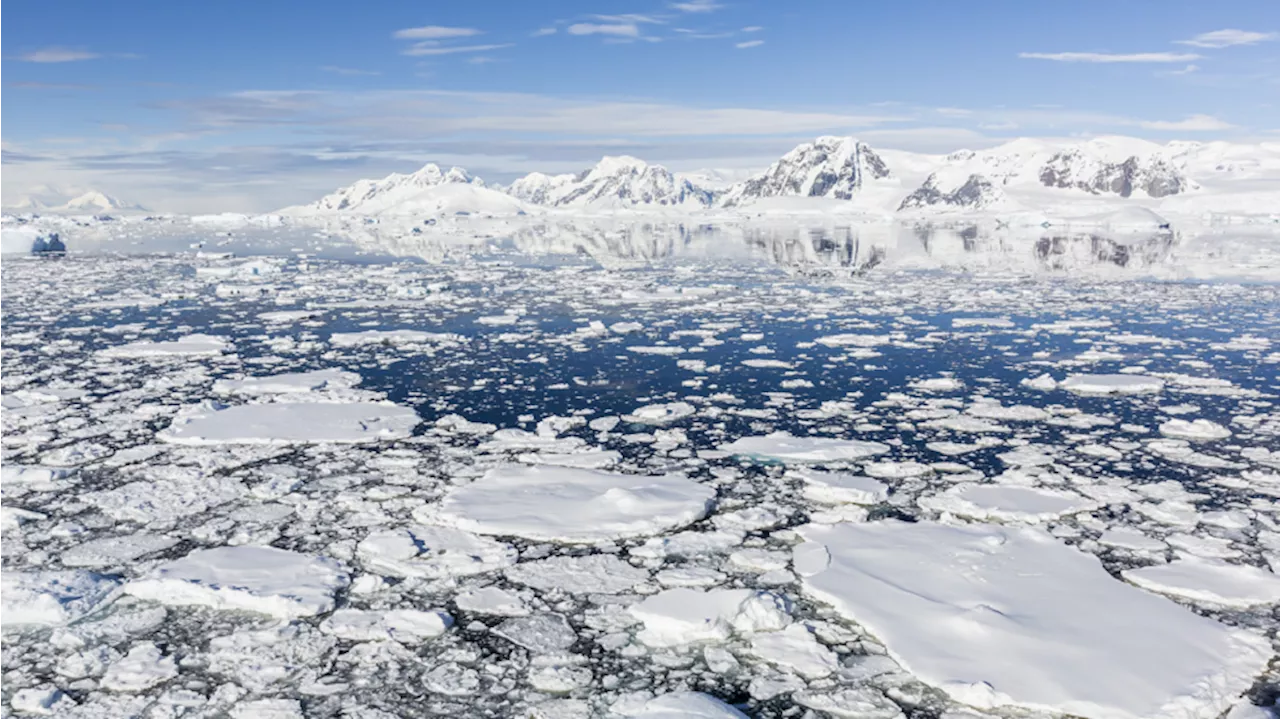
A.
x: 833, y: 249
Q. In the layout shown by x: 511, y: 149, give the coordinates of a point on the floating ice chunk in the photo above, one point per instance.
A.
x: 1179, y: 450
x: 767, y: 363
x: 660, y: 413
x: 853, y: 340
x: 392, y: 337
x: 1209, y: 581
x: 657, y: 349
x: 432, y: 552
x: 1200, y: 430
x: 969, y: 425
x: 593, y: 573
x: 1043, y: 383
x: 593, y: 459
x: 407, y: 626
x: 625, y: 328
x: 1101, y: 451
x: 493, y: 601
x: 1039, y: 624
x: 289, y: 423
x: 795, y: 648
x: 32, y: 474
x: 938, y: 384
x: 113, y: 551
x: 574, y: 505
x: 859, y: 703
x: 1100, y: 384
x: 42, y: 701
x: 1001, y: 322
x: 255, y: 579
x: 1008, y: 503
x: 461, y: 425
x: 273, y: 708
x: 896, y: 470
x: 685, y: 576
x: 841, y: 487
x: 682, y: 705
x: 288, y: 383
x: 540, y: 633
x: 1011, y: 413
x: 51, y: 598
x: 452, y: 679
x: 189, y: 346
x: 786, y: 448
x: 142, y: 668
x: 1131, y: 539
x: 679, y: 616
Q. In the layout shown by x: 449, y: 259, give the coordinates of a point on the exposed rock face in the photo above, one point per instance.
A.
x: 1153, y: 176
x: 831, y: 167
x: 976, y: 192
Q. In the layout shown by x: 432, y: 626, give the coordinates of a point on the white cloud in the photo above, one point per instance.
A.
x: 697, y: 6
x: 631, y: 18
x: 615, y: 29
x: 543, y: 31
x: 752, y: 28
x: 1105, y: 57
x: 426, y: 48
x: 1228, y: 38
x: 1195, y: 123
x: 953, y: 111
x: 434, y: 32
x: 58, y: 54
x: 749, y: 43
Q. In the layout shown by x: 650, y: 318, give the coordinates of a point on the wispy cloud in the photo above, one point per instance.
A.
x: 50, y: 86
x: 1195, y: 123
x: 430, y: 48
x: 1229, y: 38
x: 636, y: 18
x: 348, y: 71
x: 749, y: 43
x: 543, y: 31
x: 1106, y: 57
x: 697, y: 6
x: 434, y: 32
x: 752, y: 28
x: 58, y: 54
x: 615, y: 29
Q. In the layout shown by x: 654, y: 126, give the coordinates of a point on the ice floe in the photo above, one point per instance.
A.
x: 783, y: 447
x: 1102, y: 384
x: 288, y: 423
x: 1209, y: 581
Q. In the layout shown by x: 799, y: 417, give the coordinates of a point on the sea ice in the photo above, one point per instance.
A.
x: 51, y: 598
x: 574, y: 505
x: 590, y: 574
x: 660, y: 413
x: 407, y: 626
x: 432, y: 552
x: 783, y: 447
x: 114, y: 551
x: 143, y: 667
x: 288, y: 423
x: 998, y: 616
x: 681, y: 705
x: 1200, y: 430
x: 1100, y: 384
x: 255, y: 579
x: 189, y: 346
x: 1007, y: 503
x: 1210, y: 581
x: 674, y: 617
x: 288, y: 383
x: 841, y: 487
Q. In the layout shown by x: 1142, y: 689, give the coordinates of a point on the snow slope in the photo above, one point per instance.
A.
x: 429, y: 191
x: 614, y: 183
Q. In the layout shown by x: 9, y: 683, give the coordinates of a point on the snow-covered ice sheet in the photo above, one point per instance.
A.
x: 786, y: 448
x: 286, y: 423
x: 253, y: 579
x: 1210, y: 581
x: 998, y: 616
x: 574, y: 505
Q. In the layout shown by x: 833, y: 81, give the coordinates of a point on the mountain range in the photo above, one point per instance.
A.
x: 72, y: 201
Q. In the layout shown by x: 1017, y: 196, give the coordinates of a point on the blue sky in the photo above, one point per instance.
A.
x: 253, y: 105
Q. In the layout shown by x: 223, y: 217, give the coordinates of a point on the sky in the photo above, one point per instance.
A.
x: 252, y: 106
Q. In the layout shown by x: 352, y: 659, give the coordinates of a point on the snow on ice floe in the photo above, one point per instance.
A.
x: 593, y: 573
x: 841, y: 487
x: 289, y: 423
x: 1103, y: 384
x: 432, y: 552
x: 290, y: 383
x: 1199, y: 430
x: 253, y: 579
x: 680, y: 705
x: 196, y: 345
x: 1209, y: 581
x: 1008, y: 503
x: 573, y: 505
x: 407, y: 626
x: 51, y: 598
x: 1025, y: 621
x: 674, y: 617
x: 783, y: 447
x: 115, y: 551
x: 660, y: 413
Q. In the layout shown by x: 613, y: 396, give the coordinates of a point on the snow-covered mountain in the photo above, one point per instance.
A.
x: 830, y: 167
x: 614, y: 183
x: 429, y: 191
x: 44, y: 198
x: 1117, y: 167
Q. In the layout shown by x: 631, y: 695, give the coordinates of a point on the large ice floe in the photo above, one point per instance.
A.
x: 574, y: 505
x: 998, y: 616
x: 288, y: 423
